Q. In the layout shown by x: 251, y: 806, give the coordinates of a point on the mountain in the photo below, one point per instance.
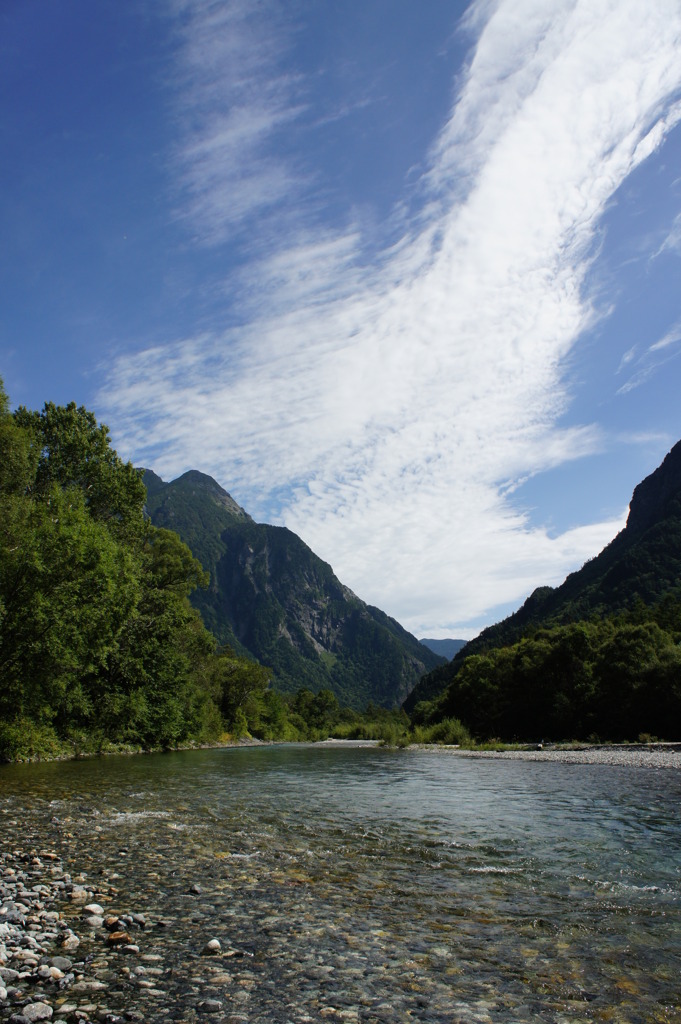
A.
x: 270, y: 597
x: 445, y: 648
x: 642, y: 564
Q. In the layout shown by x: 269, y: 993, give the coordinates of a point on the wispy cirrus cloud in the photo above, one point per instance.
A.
x: 672, y: 241
x: 233, y: 103
x: 642, y: 367
x: 384, y: 410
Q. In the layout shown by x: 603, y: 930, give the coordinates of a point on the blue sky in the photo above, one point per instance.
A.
x: 403, y: 277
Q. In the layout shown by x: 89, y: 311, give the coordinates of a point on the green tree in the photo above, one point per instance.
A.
x: 97, y: 636
x: 73, y: 450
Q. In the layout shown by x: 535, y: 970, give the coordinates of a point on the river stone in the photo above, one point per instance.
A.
x: 211, y: 947
x: 89, y: 986
x: 210, y: 1006
x: 37, y: 1011
x: 62, y: 963
x: 94, y: 909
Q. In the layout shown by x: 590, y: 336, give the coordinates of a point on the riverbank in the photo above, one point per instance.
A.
x: 631, y: 755
x: 649, y: 755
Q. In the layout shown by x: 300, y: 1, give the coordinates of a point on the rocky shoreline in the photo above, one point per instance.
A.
x: 653, y: 755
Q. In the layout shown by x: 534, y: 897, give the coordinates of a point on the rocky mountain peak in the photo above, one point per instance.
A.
x: 652, y: 497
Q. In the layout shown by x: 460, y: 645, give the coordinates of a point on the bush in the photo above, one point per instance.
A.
x: 450, y: 731
x: 24, y: 740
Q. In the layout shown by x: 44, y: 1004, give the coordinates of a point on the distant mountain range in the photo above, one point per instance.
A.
x: 445, y: 648
x: 270, y: 597
x: 642, y: 564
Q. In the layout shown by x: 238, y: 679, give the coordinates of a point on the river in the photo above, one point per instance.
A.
x: 366, y: 884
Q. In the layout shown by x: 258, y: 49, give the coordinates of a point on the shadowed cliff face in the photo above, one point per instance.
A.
x: 272, y: 598
x: 658, y: 495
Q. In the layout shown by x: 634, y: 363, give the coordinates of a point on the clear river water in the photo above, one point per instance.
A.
x: 366, y: 884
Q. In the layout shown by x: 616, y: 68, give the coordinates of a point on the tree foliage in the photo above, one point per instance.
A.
x: 98, y: 640
x: 616, y: 679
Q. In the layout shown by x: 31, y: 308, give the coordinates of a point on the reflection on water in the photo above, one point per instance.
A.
x: 385, y: 885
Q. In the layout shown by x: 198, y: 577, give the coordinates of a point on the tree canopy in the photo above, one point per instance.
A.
x: 98, y: 640
x: 617, y: 678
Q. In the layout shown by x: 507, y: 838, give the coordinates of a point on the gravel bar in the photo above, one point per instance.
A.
x: 655, y: 755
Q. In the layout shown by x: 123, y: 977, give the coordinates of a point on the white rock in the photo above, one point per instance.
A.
x: 212, y: 947
x: 37, y: 1011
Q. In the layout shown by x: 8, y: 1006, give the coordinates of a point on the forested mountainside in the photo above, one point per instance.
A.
x: 272, y: 598
x: 606, y: 640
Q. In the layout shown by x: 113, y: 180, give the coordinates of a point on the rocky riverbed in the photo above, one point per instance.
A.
x: 64, y: 945
x: 298, y: 886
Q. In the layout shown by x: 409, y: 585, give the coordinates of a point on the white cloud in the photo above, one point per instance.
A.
x: 231, y: 101
x: 672, y: 242
x: 384, y: 412
x: 627, y: 358
x: 670, y: 338
x: 652, y: 360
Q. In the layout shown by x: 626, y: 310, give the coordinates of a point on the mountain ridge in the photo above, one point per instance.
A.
x: 272, y: 598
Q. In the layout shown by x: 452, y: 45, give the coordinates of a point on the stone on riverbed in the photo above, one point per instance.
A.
x: 37, y: 1011
x: 69, y: 941
x: 94, y: 921
x: 210, y: 1006
x: 62, y: 963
